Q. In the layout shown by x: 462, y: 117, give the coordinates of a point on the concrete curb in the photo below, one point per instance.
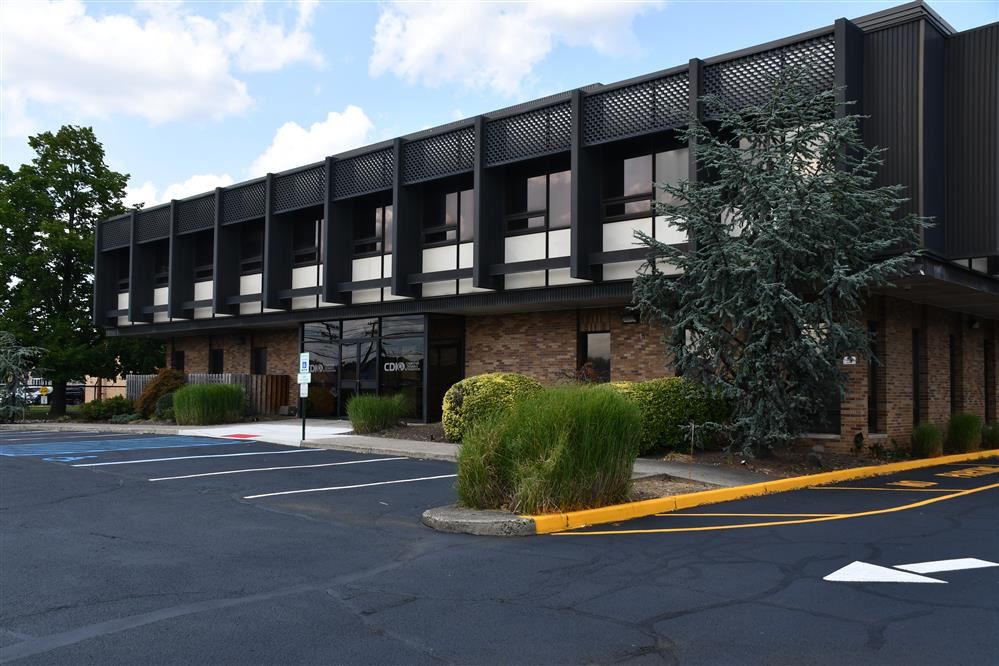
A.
x: 98, y: 427
x: 443, y: 451
x: 559, y: 522
x: 457, y: 520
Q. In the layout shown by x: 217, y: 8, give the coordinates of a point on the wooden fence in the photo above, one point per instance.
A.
x: 265, y: 394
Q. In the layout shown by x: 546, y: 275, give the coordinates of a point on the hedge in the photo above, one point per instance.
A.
x: 668, y: 406
x: 964, y: 433
x: 927, y: 441
x: 371, y: 413
x: 102, y: 410
x: 481, y: 397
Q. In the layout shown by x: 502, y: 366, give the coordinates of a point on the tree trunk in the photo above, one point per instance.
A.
x: 58, y: 403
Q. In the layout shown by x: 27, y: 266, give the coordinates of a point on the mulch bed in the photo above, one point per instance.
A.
x: 791, y: 462
x: 420, y: 432
x: 651, y: 487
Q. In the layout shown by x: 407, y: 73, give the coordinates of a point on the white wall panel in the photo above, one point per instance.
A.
x: 123, y: 305
x: 667, y: 233
x: 621, y: 235
x: 558, y: 243
x: 305, y: 276
x: 524, y: 280
x: 561, y: 276
x: 160, y: 296
x: 203, y: 291
x: 250, y: 284
x: 443, y: 288
x: 623, y: 270
x: 465, y: 255
x: 465, y: 287
x: 366, y: 296
x: 439, y: 259
x: 527, y: 247
x: 366, y: 268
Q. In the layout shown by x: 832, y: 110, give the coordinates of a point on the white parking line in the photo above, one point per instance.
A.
x: 214, y: 455
x: 268, y: 469
x: 359, y: 485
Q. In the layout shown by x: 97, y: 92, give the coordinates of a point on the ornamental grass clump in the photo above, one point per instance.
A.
x: 208, y: 404
x: 990, y: 436
x: 481, y: 397
x: 371, y: 413
x: 927, y: 441
x: 566, y: 448
x: 964, y: 433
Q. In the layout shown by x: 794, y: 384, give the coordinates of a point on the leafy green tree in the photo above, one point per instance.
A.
x: 790, y: 232
x: 16, y: 362
x: 50, y: 209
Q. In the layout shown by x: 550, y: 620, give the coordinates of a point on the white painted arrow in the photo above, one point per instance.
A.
x: 947, y: 565
x: 862, y: 572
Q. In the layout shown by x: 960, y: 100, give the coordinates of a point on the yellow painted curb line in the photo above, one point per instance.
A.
x: 558, y: 522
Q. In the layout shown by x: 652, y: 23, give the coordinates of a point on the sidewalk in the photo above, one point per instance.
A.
x: 332, y: 434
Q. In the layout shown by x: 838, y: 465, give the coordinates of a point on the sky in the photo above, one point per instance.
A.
x: 188, y: 96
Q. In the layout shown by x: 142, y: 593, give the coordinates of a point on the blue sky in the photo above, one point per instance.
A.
x: 188, y: 96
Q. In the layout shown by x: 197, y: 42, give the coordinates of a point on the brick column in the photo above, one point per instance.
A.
x: 973, y: 370
x: 937, y: 326
x: 897, y: 369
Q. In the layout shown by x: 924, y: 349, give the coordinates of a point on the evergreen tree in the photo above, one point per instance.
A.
x: 50, y: 210
x: 789, y: 233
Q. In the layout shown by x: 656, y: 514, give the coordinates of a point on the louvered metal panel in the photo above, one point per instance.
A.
x: 243, y: 203
x: 299, y: 189
x: 363, y: 174
x: 437, y: 156
x: 196, y: 214
x: 748, y: 80
x: 649, y: 106
x: 116, y: 233
x: 530, y: 134
x: 152, y: 224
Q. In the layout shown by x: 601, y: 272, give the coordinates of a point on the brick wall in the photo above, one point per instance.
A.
x: 281, y: 345
x: 638, y: 351
x: 539, y: 344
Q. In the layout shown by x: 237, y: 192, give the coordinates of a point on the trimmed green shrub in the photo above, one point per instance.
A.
x: 166, y: 381
x: 566, y: 448
x: 478, y: 398
x: 125, y: 418
x: 208, y: 404
x: 990, y: 436
x: 164, y: 407
x: 371, y: 413
x: 668, y: 406
x: 964, y: 433
x: 927, y: 441
x: 104, y: 409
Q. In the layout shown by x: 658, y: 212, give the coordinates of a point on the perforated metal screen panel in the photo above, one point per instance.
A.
x: 747, y: 81
x: 530, y: 134
x: 298, y: 190
x: 363, y: 174
x: 649, y: 106
x: 152, y: 225
x: 436, y: 156
x: 243, y: 203
x: 115, y: 233
x: 196, y: 214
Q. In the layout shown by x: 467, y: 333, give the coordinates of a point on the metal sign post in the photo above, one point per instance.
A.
x: 304, y: 379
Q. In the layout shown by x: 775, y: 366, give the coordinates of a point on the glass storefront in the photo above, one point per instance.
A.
x: 384, y: 356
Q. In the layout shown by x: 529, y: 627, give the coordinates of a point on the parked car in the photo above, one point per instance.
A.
x: 74, y: 394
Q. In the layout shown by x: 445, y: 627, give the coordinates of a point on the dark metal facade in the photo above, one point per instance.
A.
x: 931, y: 97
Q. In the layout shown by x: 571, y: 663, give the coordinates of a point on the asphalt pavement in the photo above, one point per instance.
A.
x: 166, y: 549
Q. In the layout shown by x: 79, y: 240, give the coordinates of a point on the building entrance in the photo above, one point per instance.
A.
x: 419, y: 356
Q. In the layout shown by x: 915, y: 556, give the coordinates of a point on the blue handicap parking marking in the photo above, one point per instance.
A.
x: 75, y: 449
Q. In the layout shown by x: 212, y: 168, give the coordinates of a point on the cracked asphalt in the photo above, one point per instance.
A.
x: 99, y: 564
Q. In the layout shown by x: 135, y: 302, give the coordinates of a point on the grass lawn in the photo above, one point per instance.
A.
x: 42, y: 411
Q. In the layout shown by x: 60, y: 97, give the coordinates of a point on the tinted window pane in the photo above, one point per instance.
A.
x: 451, y: 209
x: 536, y: 222
x: 634, y: 207
x: 638, y: 175
x: 387, y: 242
x: 412, y: 325
x: 467, y: 215
x: 671, y: 167
x: 360, y: 328
x: 597, y: 359
x: 367, y: 225
x: 402, y: 371
x: 536, y: 193
x: 559, y: 198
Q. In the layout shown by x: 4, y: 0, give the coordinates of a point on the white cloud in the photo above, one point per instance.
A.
x: 148, y: 195
x: 293, y: 145
x: 494, y: 44
x: 164, y: 63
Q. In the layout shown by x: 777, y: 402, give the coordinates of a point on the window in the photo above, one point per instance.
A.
x: 594, y: 356
x: 251, y: 247
x: 373, y: 231
x: 204, y: 256
x: 121, y: 263
x: 537, y: 203
x: 258, y: 361
x: 178, y: 360
x: 216, y: 358
x: 305, y: 243
x: 161, y: 265
x: 449, y: 217
x: 629, y: 182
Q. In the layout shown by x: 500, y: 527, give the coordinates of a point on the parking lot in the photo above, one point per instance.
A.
x: 146, y: 549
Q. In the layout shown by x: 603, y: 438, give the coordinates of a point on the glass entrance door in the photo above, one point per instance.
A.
x: 358, y: 370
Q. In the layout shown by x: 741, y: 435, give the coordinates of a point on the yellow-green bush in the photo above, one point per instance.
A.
x: 477, y: 398
x: 208, y: 404
x: 668, y: 406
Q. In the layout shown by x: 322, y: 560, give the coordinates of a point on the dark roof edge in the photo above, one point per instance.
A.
x: 906, y: 13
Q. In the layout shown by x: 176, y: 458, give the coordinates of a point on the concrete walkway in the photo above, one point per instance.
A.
x: 332, y: 434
